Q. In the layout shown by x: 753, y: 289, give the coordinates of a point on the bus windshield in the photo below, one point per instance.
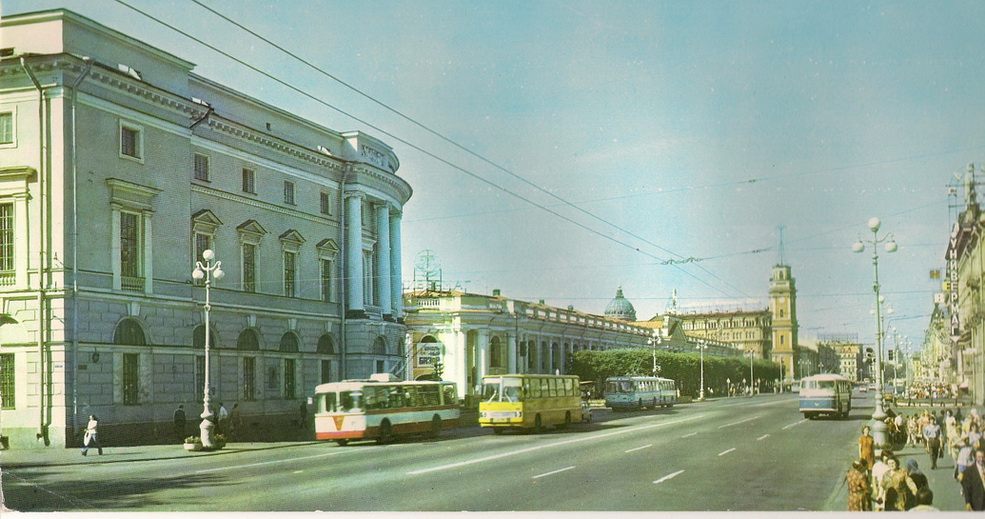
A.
x: 821, y: 384
x: 623, y: 386
x: 504, y: 389
x: 350, y: 401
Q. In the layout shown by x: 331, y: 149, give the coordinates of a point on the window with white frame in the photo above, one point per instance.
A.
x: 7, y: 128
x: 131, y: 379
x: 6, y: 238
x: 249, y: 378
x: 7, y: 385
x: 131, y: 247
x: 131, y: 141
x: 290, y: 273
x: 368, y: 296
x: 326, y: 203
x: 327, y: 252
x: 250, y: 234
x: 249, y: 267
x: 201, y: 167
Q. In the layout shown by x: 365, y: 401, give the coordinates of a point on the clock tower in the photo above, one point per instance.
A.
x: 783, y: 307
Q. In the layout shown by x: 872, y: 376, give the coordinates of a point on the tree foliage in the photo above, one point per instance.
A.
x: 685, y: 368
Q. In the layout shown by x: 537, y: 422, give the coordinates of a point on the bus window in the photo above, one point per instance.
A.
x: 490, y: 389
x: 450, y: 394
x: 512, y: 390
x: 352, y: 401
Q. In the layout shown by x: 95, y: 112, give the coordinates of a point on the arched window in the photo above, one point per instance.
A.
x: 289, y: 342
x: 379, y: 346
x: 129, y: 332
x: 198, y: 336
x: 248, y: 340
x: 326, y: 344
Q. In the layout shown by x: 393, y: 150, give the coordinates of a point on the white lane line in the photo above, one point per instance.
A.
x: 688, y: 435
x: 553, y: 472
x: 794, y: 424
x: 549, y: 445
x: 288, y: 460
x: 726, y: 452
x: 763, y: 437
x: 737, y: 423
x: 668, y: 476
x: 640, y: 448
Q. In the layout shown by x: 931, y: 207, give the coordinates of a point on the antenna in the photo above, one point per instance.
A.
x: 780, y: 228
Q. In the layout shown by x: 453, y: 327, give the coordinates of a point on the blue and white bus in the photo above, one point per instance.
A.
x: 639, y: 392
x: 825, y: 394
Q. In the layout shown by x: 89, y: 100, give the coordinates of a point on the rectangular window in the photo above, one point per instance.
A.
x: 379, y: 366
x: 199, y: 378
x: 326, y: 371
x: 327, y: 271
x: 249, y: 181
x: 6, y: 127
x: 290, y: 273
x: 249, y: 267
x: 6, y: 237
x: 201, y: 167
x: 131, y: 141
x: 7, y: 381
x: 203, y: 242
x: 249, y: 378
x: 288, y: 192
x: 130, y: 247
x: 131, y: 379
x: 289, y: 382
x: 326, y: 203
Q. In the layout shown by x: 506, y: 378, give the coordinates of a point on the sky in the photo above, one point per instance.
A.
x: 560, y: 150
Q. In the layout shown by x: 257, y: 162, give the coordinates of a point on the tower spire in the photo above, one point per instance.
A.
x: 780, y: 228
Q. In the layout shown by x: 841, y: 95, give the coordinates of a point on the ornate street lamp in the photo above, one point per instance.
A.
x: 752, y: 354
x: 702, y: 346
x: 208, y: 272
x: 654, y: 340
x: 879, y: 416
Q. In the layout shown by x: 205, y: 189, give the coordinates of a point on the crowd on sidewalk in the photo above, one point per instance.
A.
x: 883, y: 485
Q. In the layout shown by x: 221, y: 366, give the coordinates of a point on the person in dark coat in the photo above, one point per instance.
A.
x: 973, y: 483
x: 179, y: 422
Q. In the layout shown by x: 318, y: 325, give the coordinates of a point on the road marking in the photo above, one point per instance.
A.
x: 298, y: 471
x: 737, y: 423
x: 763, y: 437
x: 639, y: 448
x: 794, y: 424
x: 550, y: 445
x: 689, y: 435
x: 668, y: 476
x: 237, y: 467
x: 726, y: 452
x: 552, y: 472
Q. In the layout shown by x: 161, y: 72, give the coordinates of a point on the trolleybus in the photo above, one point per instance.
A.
x: 381, y: 409
x: 639, y: 392
x: 530, y: 402
x: 826, y: 393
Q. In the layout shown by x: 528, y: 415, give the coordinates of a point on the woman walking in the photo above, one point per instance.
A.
x: 91, y: 438
x: 866, y: 448
x: 859, y: 488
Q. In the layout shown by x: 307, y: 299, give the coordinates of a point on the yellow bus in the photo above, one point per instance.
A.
x: 529, y: 402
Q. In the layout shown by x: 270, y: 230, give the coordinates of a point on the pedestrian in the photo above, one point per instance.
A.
x: 879, y: 469
x: 223, y: 423
x: 898, y: 487
x: 91, y: 438
x: 925, y: 501
x: 918, y: 477
x: 866, y: 448
x: 932, y: 433
x: 912, y: 431
x: 973, y: 483
x: 234, y: 421
x: 859, y: 487
x: 966, y: 444
x: 302, y: 415
x: 179, y: 422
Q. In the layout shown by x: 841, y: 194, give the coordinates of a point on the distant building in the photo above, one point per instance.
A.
x: 849, y: 354
x: 743, y: 330
x: 120, y: 166
x: 783, y: 307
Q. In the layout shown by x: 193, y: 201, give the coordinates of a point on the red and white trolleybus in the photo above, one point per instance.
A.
x: 380, y: 408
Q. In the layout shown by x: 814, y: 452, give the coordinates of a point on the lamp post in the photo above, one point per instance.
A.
x: 879, y: 415
x: 208, y: 272
x: 654, y: 340
x: 752, y: 354
x: 701, y: 350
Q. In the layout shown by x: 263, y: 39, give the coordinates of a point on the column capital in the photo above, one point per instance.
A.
x: 355, y: 194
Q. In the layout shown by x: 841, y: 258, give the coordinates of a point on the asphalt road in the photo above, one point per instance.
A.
x: 749, y: 454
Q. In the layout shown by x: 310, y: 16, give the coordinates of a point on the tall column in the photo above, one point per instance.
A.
x: 354, y: 255
x: 482, y: 362
x: 512, y: 344
x: 383, y: 258
x: 396, y: 274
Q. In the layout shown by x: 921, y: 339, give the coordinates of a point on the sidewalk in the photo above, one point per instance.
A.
x: 54, y: 457
x: 947, y: 491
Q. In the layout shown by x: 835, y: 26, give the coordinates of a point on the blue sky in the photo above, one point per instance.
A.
x: 689, y: 129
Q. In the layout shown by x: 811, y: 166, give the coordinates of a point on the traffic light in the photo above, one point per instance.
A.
x: 891, y: 355
x: 869, y: 355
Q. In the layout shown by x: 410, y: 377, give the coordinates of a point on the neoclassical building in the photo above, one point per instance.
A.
x: 119, y: 167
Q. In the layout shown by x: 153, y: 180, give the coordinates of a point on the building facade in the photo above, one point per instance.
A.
x: 120, y: 168
x: 743, y: 329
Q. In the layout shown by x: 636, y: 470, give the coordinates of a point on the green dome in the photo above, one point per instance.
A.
x: 620, y: 308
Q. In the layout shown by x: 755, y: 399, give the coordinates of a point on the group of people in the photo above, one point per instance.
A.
x: 892, y: 487
x: 226, y: 421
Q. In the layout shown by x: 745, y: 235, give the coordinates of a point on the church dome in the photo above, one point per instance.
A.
x: 620, y: 308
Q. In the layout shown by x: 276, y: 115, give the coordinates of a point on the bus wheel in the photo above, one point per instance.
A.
x: 342, y: 442
x: 435, y: 426
x: 639, y: 404
x: 538, y: 428
x: 567, y: 420
x: 497, y: 430
x: 386, y: 433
